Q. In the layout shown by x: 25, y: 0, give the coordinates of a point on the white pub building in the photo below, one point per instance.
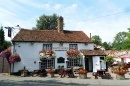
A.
x: 46, y: 48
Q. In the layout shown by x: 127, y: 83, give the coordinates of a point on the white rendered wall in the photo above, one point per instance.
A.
x: 29, y: 53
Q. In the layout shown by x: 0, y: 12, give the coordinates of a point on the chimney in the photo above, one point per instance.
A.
x: 60, y: 24
x: 90, y: 35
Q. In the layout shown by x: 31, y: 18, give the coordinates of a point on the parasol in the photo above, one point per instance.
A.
x: 125, y: 56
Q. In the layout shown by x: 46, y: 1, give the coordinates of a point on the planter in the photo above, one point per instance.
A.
x: 120, y: 76
x: 82, y: 76
x: 23, y: 74
x: 52, y: 75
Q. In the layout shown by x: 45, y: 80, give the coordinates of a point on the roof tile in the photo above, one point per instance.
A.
x: 51, y: 36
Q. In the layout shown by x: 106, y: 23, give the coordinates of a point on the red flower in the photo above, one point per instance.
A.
x: 120, y: 72
x: 73, y: 53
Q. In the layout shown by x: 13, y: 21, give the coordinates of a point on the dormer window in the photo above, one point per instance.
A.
x: 73, y: 47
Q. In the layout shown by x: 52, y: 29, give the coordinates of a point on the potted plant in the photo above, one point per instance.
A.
x: 51, y: 72
x: 120, y: 71
x: 82, y: 73
x: 24, y: 72
x: 74, y: 54
x: 109, y: 60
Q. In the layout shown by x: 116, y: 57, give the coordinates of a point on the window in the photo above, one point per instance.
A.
x: 60, y: 60
x: 101, y: 58
x: 73, y: 62
x: 73, y: 46
x: 47, y: 63
x: 47, y: 46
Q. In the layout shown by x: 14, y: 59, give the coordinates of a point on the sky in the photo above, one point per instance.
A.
x: 105, y: 18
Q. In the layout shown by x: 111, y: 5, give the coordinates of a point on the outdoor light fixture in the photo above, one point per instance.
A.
x: 100, y: 65
x: 61, y: 43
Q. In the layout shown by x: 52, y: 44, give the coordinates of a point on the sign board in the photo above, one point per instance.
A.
x: 60, y: 48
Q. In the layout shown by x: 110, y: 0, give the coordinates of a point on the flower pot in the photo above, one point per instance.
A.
x: 120, y: 76
x: 23, y: 74
x: 52, y: 75
x: 82, y: 76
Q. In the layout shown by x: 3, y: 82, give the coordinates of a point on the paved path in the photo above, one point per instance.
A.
x: 7, y: 80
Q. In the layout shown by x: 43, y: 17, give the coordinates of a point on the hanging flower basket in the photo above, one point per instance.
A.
x: 48, y: 54
x: 14, y: 58
x: 74, y: 54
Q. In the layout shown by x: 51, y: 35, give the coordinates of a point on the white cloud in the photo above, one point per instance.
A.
x: 57, y: 6
x: 70, y: 9
x: 45, y: 6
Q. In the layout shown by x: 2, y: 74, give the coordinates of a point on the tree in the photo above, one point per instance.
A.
x: 6, y: 44
x: 106, y: 45
x: 3, y: 43
x: 47, y: 22
x: 97, y: 40
x: 126, y: 43
x: 1, y: 36
x: 119, y: 40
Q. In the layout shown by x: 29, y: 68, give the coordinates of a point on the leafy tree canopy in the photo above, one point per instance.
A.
x: 3, y: 43
x: 46, y: 22
x: 97, y: 40
x: 1, y: 36
x: 119, y: 40
x: 106, y: 45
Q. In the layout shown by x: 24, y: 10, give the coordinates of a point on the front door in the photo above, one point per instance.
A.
x: 87, y: 64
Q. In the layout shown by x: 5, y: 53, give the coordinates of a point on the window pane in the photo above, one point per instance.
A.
x: 47, y: 63
x: 73, y: 62
x: 47, y: 46
x: 73, y: 46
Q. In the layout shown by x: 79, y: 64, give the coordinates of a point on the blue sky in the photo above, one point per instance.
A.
x: 99, y: 17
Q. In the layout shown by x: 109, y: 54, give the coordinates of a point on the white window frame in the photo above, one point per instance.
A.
x: 73, y: 46
x: 47, y: 63
x: 74, y: 62
x: 47, y: 46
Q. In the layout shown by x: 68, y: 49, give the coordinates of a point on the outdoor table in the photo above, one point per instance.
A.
x: 100, y: 73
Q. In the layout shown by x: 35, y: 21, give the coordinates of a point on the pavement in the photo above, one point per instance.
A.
x: 11, y: 80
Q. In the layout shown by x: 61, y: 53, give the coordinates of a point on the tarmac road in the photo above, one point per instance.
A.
x: 6, y: 80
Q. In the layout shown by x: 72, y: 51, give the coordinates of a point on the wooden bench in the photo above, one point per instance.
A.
x: 64, y: 72
x: 41, y: 72
x: 105, y: 75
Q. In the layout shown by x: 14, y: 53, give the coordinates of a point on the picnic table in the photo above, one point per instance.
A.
x: 39, y: 72
x: 66, y: 71
x: 101, y: 73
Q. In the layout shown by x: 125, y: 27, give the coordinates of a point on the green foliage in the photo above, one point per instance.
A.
x: 6, y: 44
x: 126, y: 43
x: 97, y: 40
x: 3, y: 44
x: 1, y: 36
x: 107, y: 46
x: 119, y: 39
x: 109, y: 59
x: 46, y: 22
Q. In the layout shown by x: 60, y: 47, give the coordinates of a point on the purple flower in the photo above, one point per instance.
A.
x: 2, y: 54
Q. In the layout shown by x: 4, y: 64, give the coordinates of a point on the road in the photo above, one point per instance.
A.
x: 6, y: 80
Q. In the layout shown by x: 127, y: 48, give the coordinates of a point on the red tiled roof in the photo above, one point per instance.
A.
x: 51, y: 36
x: 93, y: 52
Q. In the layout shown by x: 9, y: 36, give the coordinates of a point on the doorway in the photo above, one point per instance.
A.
x: 87, y: 64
